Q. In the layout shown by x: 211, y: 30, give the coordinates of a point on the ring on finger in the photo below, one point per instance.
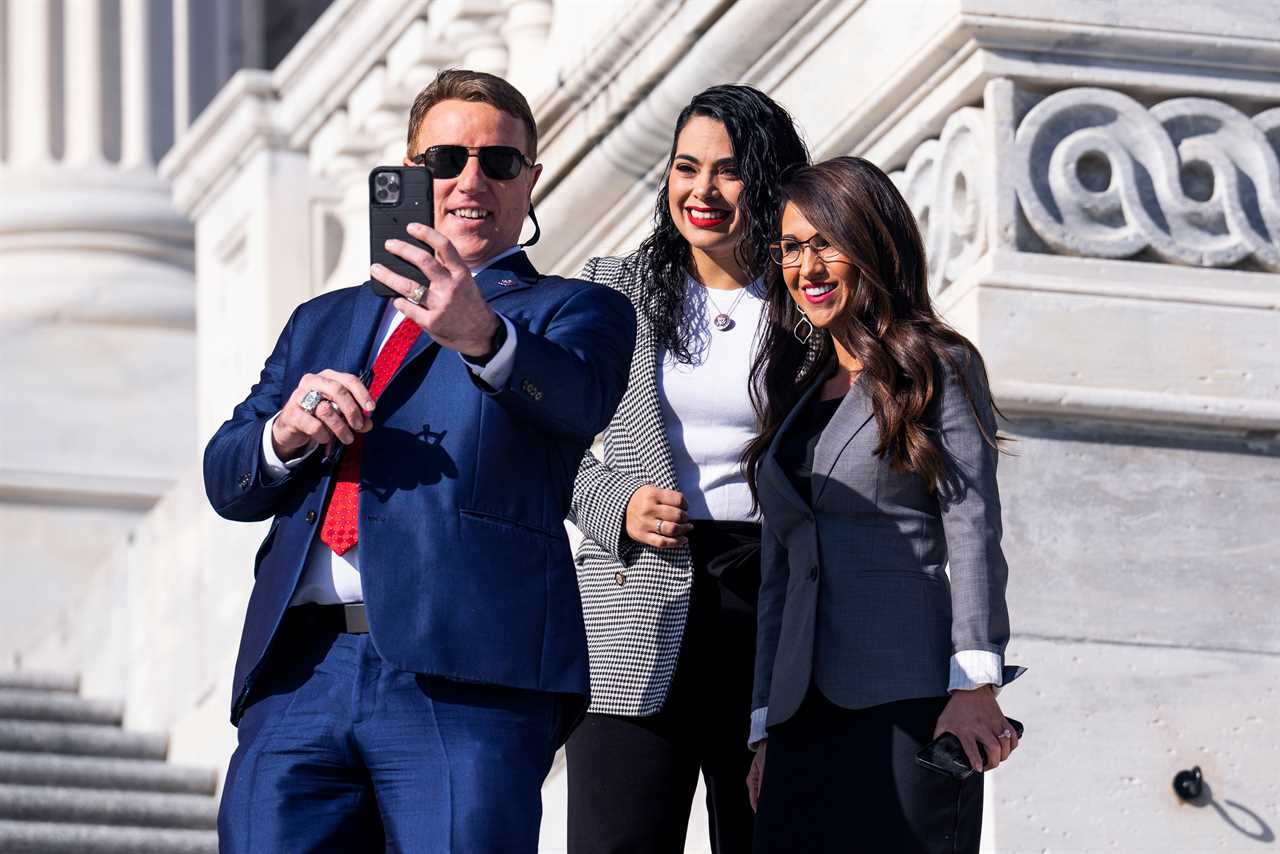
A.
x: 659, y: 528
x: 416, y: 295
x: 310, y: 401
x: 1008, y: 733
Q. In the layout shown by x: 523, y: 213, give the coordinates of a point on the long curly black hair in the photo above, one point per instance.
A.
x: 765, y: 144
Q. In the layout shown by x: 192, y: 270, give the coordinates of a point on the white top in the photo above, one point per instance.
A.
x: 328, y: 578
x: 705, y: 405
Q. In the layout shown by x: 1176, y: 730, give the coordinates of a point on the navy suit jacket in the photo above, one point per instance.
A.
x: 464, y: 559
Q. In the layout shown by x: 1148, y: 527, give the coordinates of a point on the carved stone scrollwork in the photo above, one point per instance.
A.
x: 1192, y: 180
x: 945, y: 183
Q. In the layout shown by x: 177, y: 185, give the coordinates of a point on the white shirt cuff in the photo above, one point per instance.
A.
x: 273, y: 467
x: 498, y: 369
x: 973, y: 668
x: 758, y: 731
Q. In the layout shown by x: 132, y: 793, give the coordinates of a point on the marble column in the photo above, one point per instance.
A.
x: 97, y: 310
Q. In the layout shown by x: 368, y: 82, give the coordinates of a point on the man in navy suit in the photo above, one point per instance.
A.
x: 413, y: 652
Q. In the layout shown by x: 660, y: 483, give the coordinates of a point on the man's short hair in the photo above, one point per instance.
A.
x: 460, y: 84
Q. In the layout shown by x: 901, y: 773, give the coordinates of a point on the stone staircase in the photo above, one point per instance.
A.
x: 72, y: 780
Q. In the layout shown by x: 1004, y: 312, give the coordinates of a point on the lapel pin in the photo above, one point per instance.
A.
x: 506, y: 283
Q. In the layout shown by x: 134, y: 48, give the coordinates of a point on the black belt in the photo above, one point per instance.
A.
x: 349, y: 619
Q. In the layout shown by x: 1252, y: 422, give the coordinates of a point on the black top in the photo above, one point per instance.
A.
x: 795, y: 453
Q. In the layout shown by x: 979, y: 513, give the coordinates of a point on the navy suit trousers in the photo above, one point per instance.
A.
x: 340, y: 752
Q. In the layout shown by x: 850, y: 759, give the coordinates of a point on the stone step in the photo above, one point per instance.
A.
x: 37, y: 681
x: 94, y: 806
x: 34, y: 837
x: 137, y: 775
x: 28, y: 705
x: 80, y: 740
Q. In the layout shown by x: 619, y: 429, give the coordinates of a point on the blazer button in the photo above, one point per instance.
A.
x: 245, y: 480
x: 311, y: 517
x: 813, y: 572
x: 620, y: 578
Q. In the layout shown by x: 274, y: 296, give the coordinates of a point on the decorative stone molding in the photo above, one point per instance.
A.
x: 1095, y: 173
x: 1191, y: 180
x: 945, y: 182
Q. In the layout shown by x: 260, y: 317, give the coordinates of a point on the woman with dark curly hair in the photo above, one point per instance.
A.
x: 669, y: 566
x: 874, y: 471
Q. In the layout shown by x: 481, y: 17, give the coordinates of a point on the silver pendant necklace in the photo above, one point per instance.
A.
x: 724, y: 319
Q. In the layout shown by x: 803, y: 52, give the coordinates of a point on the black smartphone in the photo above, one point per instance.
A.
x: 398, y: 195
x: 945, y: 755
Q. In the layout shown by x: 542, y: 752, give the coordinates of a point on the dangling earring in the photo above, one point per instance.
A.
x: 803, y: 321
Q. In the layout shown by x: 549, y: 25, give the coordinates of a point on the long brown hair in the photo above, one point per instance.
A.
x: 889, y: 321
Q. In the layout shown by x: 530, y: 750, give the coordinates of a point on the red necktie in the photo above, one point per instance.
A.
x: 341, y: 528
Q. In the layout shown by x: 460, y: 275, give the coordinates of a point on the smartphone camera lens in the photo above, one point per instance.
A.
x: 386, y: 188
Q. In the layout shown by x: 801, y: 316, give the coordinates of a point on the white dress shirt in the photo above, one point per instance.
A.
x: 331, y: 579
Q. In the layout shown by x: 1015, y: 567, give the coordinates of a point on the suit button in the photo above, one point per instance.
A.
x: 244, y: 481
x: 620, y: 578
x: 813, y: 572
x: 311, y: 517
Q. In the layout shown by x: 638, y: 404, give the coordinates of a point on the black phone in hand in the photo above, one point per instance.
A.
x: 945, y: 755
x: 398, y: 195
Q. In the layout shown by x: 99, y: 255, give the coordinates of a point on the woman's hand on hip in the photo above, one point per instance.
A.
x: 755, y: 775
x: 975, y: 718
x: 656, y: 517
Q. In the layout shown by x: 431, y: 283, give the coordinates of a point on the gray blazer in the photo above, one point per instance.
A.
x: 854, y: 592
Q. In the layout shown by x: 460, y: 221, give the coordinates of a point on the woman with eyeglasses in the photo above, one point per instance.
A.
x: 873, y: 471
x: 669, y: 565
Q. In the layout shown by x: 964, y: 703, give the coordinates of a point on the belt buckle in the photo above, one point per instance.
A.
x: 357, y: 619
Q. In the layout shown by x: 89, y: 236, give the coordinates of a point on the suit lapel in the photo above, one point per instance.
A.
x: 505, y: 276
x: 851, y: 416
x: 773, y: 468
x: 366, y: 312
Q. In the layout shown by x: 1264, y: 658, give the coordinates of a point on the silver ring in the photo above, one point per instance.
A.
x: 417, y: 294
x: 310, y: 401
x: 659, y: 529
x: 1007, y: 734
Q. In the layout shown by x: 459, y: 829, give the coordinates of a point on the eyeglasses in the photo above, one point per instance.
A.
x: 786, y: 252
x: 498, y: 162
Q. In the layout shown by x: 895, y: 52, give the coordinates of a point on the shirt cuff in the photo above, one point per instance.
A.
x: 973, y: 668
x: 497, y: 370
x: 275, y: 469
x: 758, y: 731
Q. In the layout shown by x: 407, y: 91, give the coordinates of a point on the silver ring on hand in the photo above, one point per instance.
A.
x: 310, y: 401
x: 416, y: 295
x: 659, y: 528
x: 1008, y: 733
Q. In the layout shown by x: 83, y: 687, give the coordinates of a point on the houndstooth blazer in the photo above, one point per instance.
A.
x: 635, y: 598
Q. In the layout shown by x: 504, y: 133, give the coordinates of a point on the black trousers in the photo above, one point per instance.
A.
x: 632, y: 779
x: 845, y: 780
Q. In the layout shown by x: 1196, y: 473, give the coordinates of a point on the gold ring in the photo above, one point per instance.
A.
x: 418, y: 293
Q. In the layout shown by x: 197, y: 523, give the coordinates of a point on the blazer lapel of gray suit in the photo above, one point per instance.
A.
x: 771, y: 469
x: 849, y: 420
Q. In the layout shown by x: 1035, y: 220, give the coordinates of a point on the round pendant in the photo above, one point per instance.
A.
x: 723, y: 322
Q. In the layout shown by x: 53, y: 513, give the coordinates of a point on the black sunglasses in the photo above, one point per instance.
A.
x: 498, y: 162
